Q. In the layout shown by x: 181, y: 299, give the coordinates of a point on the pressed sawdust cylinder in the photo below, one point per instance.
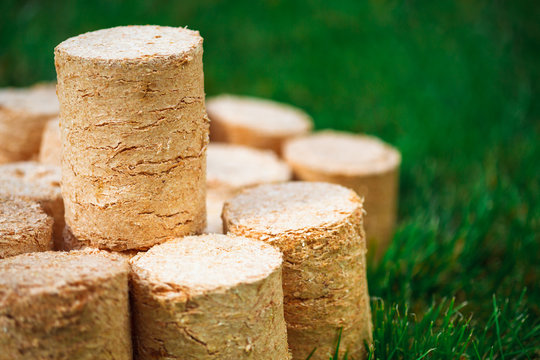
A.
x: 64, y: 305
x: 24, y: 227
x: 50, y: 151
x: 23, y: 114
x: 363, y: 163
x: 209, y: 297
x: 36, y: 182
x: 134, y: 135
x: 231, y: 168
x: 255, y: 122
x: 318, y: 227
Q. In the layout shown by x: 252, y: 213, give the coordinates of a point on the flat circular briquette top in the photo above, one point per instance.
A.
x: 238, y: 166
x: 132, y: 43
x: 199, y: 264
x: 30, y: 179
x: 259, y: 114
x: 39, y: 99
x: 292, y: 206
x: 342, y: 153
x: 19, y: 214
x: 50, y: 271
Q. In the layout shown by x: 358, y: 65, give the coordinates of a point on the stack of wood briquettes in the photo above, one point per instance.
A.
x: 121, y: 192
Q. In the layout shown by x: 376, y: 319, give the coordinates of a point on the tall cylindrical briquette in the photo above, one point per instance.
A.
x: 60, y: 305
x: 360, y: 162
x: 209, y: 297
x: 24, y: 227
x: 134, y: 135
x: 318, y: 227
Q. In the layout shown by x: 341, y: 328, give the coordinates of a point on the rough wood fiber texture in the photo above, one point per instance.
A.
x: 230, y: 168
x: 50, y: 151
x: 60, y: 305
x: 24, y: 227
x: 209, y: 297
x: 134, y: 135
x: 72, y: 243
x: 363, y: 163
x: 255, y: 122
x: 36, y: 182
x: 23, y: 114
x: 318, y: 227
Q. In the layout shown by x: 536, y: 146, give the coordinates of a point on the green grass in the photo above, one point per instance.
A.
x: 453, y: 84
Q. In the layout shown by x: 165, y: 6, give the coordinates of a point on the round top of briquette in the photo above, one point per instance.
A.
x: 139, y: 43
x: 297, y: 206
x: 235, y: 166
x: 205, y: 263
x: 259, y: 115
x: 51, y: 271
x: 38, y: 99
x: 20, y: 216
x: 341, y: 153
x: 16, y: 213
x: 31, y: 180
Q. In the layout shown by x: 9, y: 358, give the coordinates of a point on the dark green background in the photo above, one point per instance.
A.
x: 453, y: 84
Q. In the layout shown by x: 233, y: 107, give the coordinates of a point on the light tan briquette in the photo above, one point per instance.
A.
x: 233, y: 167
x: 318, y: 227
x: 230, y: 168
x: 37, y: 182
x: 60, y: 305
x: 363, y: 163
x: 134, y: 134
x: 209, y: 297
x: 23, y: 114
x: 50, y: 151
x: 24, y: 227
x: 255, y: 122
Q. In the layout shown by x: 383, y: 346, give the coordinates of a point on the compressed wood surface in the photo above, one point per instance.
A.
x: 134, y: 134
x: 70, y: 242
x: 318, y: 227
x: 360, y: 162
x: 230, y: 168
x: 209, y: 297
x: 255, y: 122
x: 24, y: 227
x: 60, y: 305
x: 23, y: 115
x: 37, y: 182
x: 50, y: 151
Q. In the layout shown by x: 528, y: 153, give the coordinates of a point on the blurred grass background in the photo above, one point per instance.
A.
x: 453, y: 84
